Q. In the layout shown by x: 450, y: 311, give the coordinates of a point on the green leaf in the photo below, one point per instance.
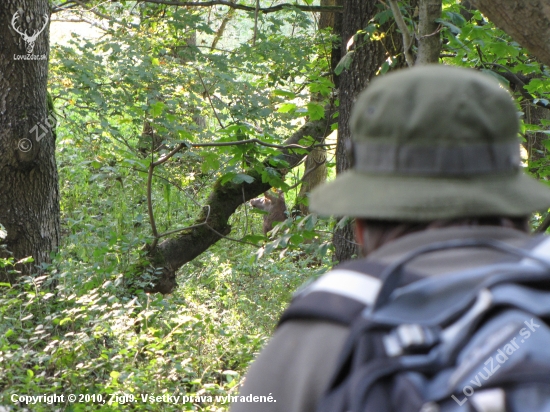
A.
x: 343, y: 222
x: 28, y: 259
x: 284, y: 93
x: 287, y: 108
x: 456, y: 18
x: 167, y: 188
x: 157, y: 109
x: 315, y: 111
x: 384, y: 68
x: 241, y: 177
x: 497, y: 76
x: 321, y: 85
x: 253, y: 238
x: 455, y: 30
x: 546, y: 143
x: 344, y: 63
x: 114, y: 375
x: 210, y: 161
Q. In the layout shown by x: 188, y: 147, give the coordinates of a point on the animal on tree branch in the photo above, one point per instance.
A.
x: 274, y: 205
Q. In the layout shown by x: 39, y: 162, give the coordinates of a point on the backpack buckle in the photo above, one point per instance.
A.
x: 409, y: 338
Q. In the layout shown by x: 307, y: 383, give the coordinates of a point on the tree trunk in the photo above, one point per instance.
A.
x: 367, y: 59
x: 315, y: 173
x: 315, y: 168
x: 534, y: 144
x: 527, y: 22
x: 29, y: 193
x: 429, y: 43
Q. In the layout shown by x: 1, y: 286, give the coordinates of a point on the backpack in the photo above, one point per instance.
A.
x: 473, y: 340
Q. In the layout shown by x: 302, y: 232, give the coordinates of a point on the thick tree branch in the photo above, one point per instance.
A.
x: 519, y: 81
x: 221, y: 30
x: 527, y: 22
x: 212, y: 223
x: 254, y: 140
x: 265, y: 10
x: 407, y: 38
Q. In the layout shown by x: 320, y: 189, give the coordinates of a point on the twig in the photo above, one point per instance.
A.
x: 248, y: 141
x: 209, y: 99
x: 221, y: 30
x: 169, y: 155
x: 181, y: 189
x: 103, y: 16
x: 171, y: 232
x: 245, y: 213
x: 230, y: 238
x: 347, y: 240
x: 150, y: 206
x: 407, y: 40
x: 513, y: 77
x: 545, y: 224
x: 307, y: 172
x: 278, y: 7
x: 255, y: 23
x: 439, y: 28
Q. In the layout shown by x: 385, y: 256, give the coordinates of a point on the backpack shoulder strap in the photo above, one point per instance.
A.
x: 341, y: 294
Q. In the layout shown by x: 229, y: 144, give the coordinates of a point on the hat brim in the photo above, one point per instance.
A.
x: 414, y: 198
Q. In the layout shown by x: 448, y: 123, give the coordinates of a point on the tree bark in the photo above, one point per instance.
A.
x: 315, y: 173
x: 315, y: 168
x: 174, y: 252
x: 429, y: 43
x: 527, y: 22
x: 29, y: 193
x: 367, y: 59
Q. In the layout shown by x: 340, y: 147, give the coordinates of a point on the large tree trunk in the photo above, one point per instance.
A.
x: 315, y: 168
x: 526, y: 21
x: 429, y: 42
x: 367, y: 59
x: 315, y: 173
x: 29, y: 194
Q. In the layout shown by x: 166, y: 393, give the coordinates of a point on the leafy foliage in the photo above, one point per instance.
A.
x: 124, y: 100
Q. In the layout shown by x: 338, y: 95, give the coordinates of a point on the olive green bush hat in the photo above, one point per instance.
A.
x: 433, y: 142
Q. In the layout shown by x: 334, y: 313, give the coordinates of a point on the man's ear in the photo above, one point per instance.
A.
x: 359, y: 232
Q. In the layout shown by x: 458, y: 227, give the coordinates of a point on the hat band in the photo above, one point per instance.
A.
x: 471, y: 159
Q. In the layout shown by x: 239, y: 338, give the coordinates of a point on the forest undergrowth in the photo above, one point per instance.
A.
x: 75, y: 327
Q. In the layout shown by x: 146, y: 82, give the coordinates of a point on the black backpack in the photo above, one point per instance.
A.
x: 475, y: 340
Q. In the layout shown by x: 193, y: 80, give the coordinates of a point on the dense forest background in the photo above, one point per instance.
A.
x: 131, y: 262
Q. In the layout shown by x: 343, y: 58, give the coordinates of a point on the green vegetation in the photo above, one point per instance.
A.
x: 83, y: 324
x: 75, y: 327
